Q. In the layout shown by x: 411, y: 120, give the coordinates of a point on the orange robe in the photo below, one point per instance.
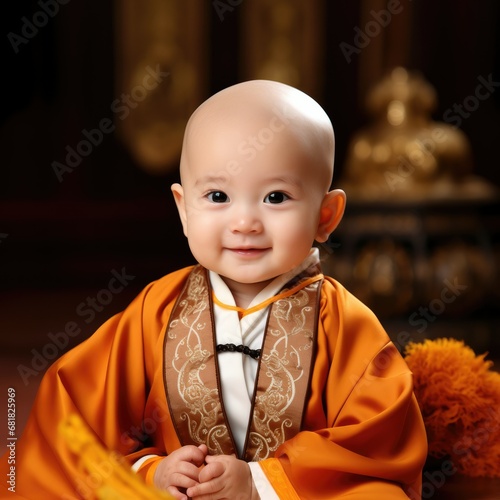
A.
x: 362, y: 435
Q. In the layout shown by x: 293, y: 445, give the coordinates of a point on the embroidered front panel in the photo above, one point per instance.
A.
x: 284, y: 371
x: 190, y: 370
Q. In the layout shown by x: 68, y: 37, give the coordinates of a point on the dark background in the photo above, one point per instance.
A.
x: 60, y: 242
x: 109, y: 213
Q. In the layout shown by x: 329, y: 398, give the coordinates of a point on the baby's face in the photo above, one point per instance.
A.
x: 250, y: 200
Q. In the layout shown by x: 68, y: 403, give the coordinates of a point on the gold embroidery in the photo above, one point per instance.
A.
x: 283, y: 375
x: 191, y: 372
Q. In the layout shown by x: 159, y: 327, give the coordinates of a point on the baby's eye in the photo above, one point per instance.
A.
x: 217, y: 197
x: 276, y: 197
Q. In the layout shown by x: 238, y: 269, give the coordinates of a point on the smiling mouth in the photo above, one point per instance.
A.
x: 249, y: 252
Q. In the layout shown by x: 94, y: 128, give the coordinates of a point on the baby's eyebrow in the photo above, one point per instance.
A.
x: 285, y: 180
x: 211, y: 179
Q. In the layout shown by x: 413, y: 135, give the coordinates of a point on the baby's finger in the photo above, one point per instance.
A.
x: 206, y: 491
x: 180, y: 480
x: 178, y: 495
x: 211, y: 471
x: 191, y: 453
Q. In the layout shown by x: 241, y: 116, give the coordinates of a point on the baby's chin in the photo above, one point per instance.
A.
x: 234, y: 281
x: 251, y: 278
x: 248, y: 280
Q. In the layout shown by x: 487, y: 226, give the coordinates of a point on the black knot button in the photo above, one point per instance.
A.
x: 253, y: 353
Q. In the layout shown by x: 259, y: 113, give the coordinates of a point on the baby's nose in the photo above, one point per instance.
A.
x: 246, y: 220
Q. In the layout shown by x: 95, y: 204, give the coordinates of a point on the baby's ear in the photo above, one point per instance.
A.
x: 178, y: 193
x: 332, y: 210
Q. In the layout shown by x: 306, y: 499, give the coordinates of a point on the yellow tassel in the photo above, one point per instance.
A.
x: 119, y: 482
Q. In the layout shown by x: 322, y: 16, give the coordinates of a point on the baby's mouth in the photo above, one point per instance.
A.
x: 249, y: 251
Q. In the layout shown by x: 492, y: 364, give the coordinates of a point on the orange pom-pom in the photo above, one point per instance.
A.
x: 459, y: 396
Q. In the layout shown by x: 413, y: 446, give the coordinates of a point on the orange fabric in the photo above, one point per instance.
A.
x: 371, y: 425
x: 362, y: 429
x: 276, y: 475
x: 148, y: 468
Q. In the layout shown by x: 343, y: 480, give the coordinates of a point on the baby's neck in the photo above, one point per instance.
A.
x: 244, y: 293
x: 243, y: 300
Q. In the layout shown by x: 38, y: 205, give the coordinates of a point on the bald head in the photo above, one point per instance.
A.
x: 256, y: 169
x: 247, y: 118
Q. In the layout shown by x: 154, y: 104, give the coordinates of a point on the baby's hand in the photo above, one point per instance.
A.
x: 224, y: 477
x: 179, y: 470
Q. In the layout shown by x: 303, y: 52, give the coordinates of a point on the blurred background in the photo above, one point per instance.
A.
x: 95, y: 99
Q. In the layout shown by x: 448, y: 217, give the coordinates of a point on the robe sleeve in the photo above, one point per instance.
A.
x: 105, y: 380
x: 362, y: 434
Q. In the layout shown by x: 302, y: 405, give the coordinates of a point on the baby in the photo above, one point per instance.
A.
x: 250, y: 375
